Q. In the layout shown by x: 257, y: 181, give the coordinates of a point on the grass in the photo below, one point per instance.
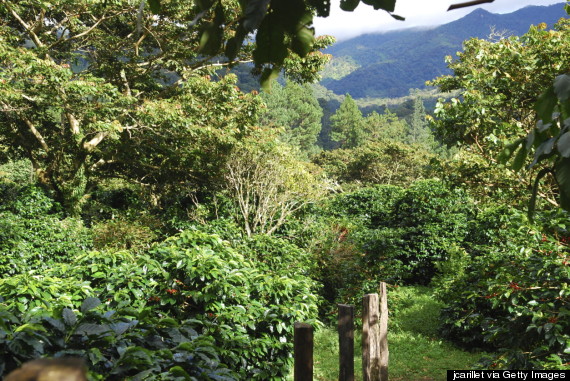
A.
x: 416, y: 352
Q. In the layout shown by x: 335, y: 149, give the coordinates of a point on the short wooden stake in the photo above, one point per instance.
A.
x: 370, y: 338
x: 303, y: 347
x: 346, y: 342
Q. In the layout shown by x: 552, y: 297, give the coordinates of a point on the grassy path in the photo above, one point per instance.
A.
x: 416, y: 353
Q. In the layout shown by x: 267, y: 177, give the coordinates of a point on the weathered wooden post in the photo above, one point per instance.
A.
x: 384, y: 354
x: 370, y: 338
x: 346, y: 342
x: 375, y: 336
x: 303, y: 348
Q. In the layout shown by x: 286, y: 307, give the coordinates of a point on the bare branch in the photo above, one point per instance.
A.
x: 36, y: 133
x: 73, y: 123
x: 91, y: 144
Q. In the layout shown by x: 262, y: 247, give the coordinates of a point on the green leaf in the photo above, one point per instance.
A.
x: 545, y: 104
x: 154, y: 6
x: 543, y: 151
x: 563, y: 144
x: 562, y: 171
x: 509, y: 151
x: 562, y: 87
x: 349, y: 5
x: 91, y: 329
x: 399, y: 18
x: 89, y: 303
x: 254, y: 14
x: 519, y: 158
x: 267, y: 78
x: 234, y: 44
x: 303, y: 42
x: 211, y: 39
x: 69, y: 316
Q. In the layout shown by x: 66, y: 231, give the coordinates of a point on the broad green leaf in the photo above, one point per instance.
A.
x: 69, y: 316
x: 91, y: 329
x: 89, y: 303
x: 267, y: 78
x: 349, y: 5
x: 509, y: 150
x: 545, y: 104
x: 563, y: 144
x: 562, y: 171
x: 518, y: 162
x: 211, y: 39
x: 303, y: 41
x: 562, y: 87
x: 544, y: 150
x: 254, y: 14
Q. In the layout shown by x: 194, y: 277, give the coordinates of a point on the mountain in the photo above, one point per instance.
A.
x: 387, y: 65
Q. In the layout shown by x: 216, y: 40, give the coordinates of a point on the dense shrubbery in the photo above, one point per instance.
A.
x: 510, y: 294
x: 190, y: 306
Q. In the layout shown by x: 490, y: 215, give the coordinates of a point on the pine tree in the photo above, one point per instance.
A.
x: 419, y: 132
x: 347, y: 124
x: 294, y: 108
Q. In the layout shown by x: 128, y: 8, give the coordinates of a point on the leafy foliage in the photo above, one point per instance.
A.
x: 376, y: 162
x: 501, y: 80
x: 116, y: 343
x: 510, y: 294
x: 294, y: 109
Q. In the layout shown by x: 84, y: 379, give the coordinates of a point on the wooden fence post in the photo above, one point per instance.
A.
x: 370, y: 338
x: 303, y: 352
x: 346, y: 342
x: 375, y: 336
x: 383, y: 332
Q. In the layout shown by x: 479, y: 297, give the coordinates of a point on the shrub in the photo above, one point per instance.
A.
x: 424, y: 223
x: 116, y: 343
x: 247, y: 310
x: 122, y: 234
x: 372, y: 205
x: 512, y: 296
x: 34, y: 243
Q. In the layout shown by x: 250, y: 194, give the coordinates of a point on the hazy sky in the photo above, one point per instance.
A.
x: 365, y: 19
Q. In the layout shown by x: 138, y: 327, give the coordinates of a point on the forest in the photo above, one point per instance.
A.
x: 163, y: 223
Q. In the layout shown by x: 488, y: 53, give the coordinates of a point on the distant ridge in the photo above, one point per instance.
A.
x: 387, y: 65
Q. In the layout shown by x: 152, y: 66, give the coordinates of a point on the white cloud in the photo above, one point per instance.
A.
x: 365, y: 19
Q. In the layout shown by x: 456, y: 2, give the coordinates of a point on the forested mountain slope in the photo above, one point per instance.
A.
x: 389, y: 64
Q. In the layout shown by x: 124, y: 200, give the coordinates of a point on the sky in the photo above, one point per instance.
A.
x: 365, y: 19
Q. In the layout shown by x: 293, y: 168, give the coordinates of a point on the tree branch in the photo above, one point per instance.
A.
x: 30, y: 31
x: 91, y: 144
x: 36, y: 133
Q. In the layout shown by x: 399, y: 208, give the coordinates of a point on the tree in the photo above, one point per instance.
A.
x: 385, y: 126
x: 501, y: 83
x: 294, y: 108
x: 418, y: 129
x: 93, y: 89
x: 347, y: 124
x: 377, y: 162
x: 268, y: 185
